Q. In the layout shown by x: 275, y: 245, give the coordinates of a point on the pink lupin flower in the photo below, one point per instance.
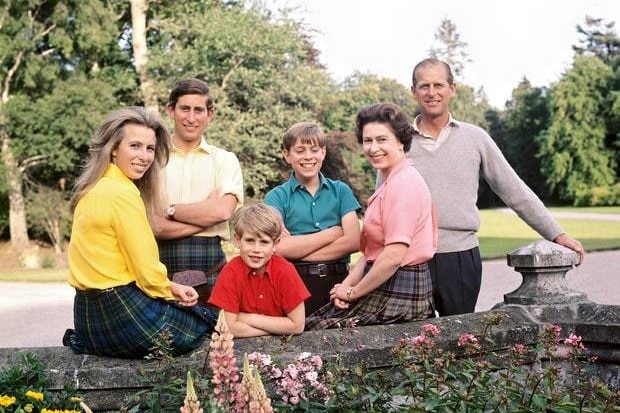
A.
x: 224, y: 364
x: 253, y: 390
x: 191, y: 403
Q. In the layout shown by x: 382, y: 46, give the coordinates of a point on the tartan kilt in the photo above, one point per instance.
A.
x: 192, y: 253
x: 125, y: 322
x: 406, y: 296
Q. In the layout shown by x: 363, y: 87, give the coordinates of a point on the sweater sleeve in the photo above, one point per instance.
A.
x: 514, y: 192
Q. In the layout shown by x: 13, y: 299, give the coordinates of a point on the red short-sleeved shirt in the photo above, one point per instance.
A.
x: 276, y: 292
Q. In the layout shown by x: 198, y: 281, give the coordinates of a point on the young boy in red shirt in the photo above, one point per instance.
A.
x: 260, y: 292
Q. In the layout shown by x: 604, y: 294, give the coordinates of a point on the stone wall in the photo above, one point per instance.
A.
x: 543, y: 298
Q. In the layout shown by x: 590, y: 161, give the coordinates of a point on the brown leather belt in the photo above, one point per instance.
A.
x: 322, y: 269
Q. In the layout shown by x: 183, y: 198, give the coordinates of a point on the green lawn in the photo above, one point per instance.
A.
x: 502, y: 232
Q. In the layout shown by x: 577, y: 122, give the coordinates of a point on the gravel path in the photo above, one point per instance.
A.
x: 37, y: 314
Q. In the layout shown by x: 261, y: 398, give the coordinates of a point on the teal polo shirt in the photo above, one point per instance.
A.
x: 306, y: 214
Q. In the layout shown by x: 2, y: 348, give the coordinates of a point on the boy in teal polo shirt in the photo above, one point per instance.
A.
x: 319, y: 214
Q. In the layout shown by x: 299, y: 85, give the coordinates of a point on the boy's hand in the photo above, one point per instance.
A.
x: 186, y: 295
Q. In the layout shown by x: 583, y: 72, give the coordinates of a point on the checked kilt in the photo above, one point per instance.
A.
x: 406, y: 296
x: 125, y: 322
x: 192, y: 253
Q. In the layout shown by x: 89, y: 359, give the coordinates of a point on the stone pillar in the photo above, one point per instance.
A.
x: 543, y: 265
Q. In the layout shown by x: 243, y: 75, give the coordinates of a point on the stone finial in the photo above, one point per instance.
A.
x: 543, y: 265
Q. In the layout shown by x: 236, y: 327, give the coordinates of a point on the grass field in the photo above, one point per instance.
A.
x: 500, y: 233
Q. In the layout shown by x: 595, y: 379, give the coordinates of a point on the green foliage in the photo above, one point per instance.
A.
x: 599, y: 196
x: 22, y: 389
x: 358, y: 91
x: 527, y: 117
x: 573, y: 153
x: 599, y: 39
x: 262, y: 70
x: 49, y: 215
x: 469, y: 106
x: 164, y: 390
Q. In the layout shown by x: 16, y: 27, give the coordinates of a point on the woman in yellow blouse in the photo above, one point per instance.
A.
x: 124, y: 299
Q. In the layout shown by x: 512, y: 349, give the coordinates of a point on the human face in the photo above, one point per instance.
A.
x: 191, y: 117
x: 382, y: 148
x: 432, y: 91
x: 306, y: 160
x: 135, y: 153
x: 255, y: 250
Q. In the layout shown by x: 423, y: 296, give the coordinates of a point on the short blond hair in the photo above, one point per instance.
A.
x: 258, y: 219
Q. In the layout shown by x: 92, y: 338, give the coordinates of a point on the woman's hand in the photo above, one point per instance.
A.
x: 185, y: 294
x: 341, y: 295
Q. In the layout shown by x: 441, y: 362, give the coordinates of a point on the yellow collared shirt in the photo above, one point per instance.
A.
x: 193, y: 175
x: 112, y: 243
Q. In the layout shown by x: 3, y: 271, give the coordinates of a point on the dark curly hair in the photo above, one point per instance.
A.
x: 390, y: 115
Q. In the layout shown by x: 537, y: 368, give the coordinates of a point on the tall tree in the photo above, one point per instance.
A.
x: 527, y: 116
x: 598, y: 39
x: 573, y: 154
x: 262, y: 69
x: 139, y: 9
x: 451, y: 48
x: 42, y: 44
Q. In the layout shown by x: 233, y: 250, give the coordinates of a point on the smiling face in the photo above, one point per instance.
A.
x: 191, y: 117
x: 135, y: 153
x: 306, y: 160
x: 432, y: 90
x: 255, y: 250
x: 381, y: 147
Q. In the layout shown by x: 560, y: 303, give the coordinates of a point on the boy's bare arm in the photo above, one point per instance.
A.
x: 293, y: 323
x: 295, y: 247
x: 239, y: 328
x: 349, y: 241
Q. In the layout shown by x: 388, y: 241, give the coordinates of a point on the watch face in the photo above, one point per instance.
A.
x: 170, y: 211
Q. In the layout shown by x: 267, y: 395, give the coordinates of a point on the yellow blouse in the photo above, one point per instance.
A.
x: 111, y: 241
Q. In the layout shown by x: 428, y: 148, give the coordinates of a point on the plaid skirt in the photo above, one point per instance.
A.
x: 125, y: 322
x: 192, y: 253
x: 406, y: 296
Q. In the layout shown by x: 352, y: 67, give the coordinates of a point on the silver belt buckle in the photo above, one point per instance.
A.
x: 321, y: 269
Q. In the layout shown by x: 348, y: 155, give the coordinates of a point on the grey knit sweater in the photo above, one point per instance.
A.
x: 452, y: 174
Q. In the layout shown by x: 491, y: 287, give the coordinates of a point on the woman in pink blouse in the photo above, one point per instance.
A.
x: 391, y: 282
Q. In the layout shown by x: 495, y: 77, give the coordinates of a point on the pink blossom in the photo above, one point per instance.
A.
x: 430, y: 330
x: 294, y: 400
x: 574, y: 341
x: 466, y: 339
x: 519, y: 348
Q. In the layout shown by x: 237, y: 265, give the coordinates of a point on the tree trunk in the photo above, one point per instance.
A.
x: 17, y: 208
x: 140, y: 52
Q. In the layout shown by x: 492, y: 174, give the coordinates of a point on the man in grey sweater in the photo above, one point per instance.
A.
x: 451, y: 156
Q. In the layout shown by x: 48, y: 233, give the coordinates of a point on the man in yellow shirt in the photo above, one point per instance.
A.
x: 203, y: 187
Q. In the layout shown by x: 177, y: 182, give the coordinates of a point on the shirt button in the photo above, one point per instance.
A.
x: 260, y: 296
x: 314, y: 203
x: 316, y: 224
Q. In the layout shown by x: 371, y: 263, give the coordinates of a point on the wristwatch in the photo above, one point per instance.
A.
x: 170, y: 211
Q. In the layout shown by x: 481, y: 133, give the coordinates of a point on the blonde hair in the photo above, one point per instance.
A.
x: 257, y: 219
x: 109, y: 137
